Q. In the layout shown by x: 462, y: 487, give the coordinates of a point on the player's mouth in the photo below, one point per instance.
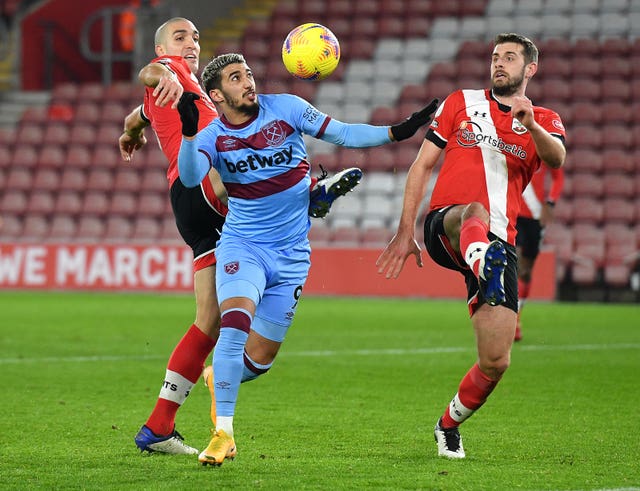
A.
x: 190, y: 57
x: 251, y: 95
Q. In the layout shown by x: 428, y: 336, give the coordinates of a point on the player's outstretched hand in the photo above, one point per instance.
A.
x: 189, y: 114
x: 394, y: 256
x: 130, y: 142
x: 409, y: 126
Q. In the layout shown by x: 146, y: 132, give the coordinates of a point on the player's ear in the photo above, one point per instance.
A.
x: 531, y: 69
x: 216, y: 96
x: 160, y: 50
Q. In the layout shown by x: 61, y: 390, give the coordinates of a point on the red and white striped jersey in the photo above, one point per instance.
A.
x: 535, y: 194
x: 489, y: 156
x: 165, y: 121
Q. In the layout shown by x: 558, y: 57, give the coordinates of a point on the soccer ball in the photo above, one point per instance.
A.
x: 311, y: 52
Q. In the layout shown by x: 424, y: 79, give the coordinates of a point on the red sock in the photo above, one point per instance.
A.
x: 187, y: 359
x: 523, y: 289
x: 473, y: 391
x: 473, y: 230
x: 314, y: 181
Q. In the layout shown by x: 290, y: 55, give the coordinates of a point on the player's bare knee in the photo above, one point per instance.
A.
x: 475, y: 209
x: 494, y: 368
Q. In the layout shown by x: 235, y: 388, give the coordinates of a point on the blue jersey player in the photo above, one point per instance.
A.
x: 263, y: 255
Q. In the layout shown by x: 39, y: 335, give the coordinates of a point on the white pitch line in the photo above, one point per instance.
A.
x: 331, y: 353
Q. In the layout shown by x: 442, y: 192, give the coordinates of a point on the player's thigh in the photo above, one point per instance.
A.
x: 198, y: 220
x: 280, y: 300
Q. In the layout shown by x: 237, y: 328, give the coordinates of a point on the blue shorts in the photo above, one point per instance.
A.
x: 273, y: 279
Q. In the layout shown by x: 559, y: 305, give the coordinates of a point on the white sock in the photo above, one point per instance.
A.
x: 225, y: 423
x: 474, y: 253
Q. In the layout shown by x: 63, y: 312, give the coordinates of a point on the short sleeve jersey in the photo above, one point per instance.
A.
x: 263, y: 165
x: 166, y: 121
x: 489, y: 156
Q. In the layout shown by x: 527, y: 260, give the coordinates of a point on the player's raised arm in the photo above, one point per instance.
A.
x: 167, y: 86
x: 132, y: 137
x: 403, y: 244
x: 192, y: 165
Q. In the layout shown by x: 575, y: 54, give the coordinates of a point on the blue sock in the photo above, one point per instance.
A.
x: 256, y: 369
x: 228, y: 364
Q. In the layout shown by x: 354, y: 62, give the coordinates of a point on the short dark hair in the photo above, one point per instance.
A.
x: 212, y: 73
x: 529, y: 49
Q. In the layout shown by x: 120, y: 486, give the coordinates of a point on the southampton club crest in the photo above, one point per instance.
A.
x: 273, y: 133
x: 517, y: 127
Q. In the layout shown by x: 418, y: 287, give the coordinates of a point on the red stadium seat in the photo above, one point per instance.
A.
x: 383, y: 115
x: 95, y: 204
x: 154, y: 181
x: 24, y: 156
x: 584, y: 273
x: 152, y: 205
x: 19, y: 179
x: 391, y: 27
x: 83, y: 134
x: 13, y: 202
x: 35, y: 114
x: 618, y: 210
x: 616, y: 160
x: 556, y: 88
x: 380, y: 159
x: 118, y: 229
x: 73, y: 179
x: 52, y: 156
x: 123, y: 204
x: 590, y: 112
x: 618, y: 185
x: 35, y: 227
x: 319, y: 234
x: 616, y: 90
x: 617, y: 135
x: 65, y: 93
x: 376, y: 238
x: 615, y: 47
x: 587, y: 210
x: 46, y: 180
x: 100, y: 180
x: 55, y: 134
x: 416, y: 27
x: 127, y: 179
x: 114, y: 112
x: 586, y: 67
x: 585, y: 89
x: 79, y: 157
x: 10, y: 226
x: 616, y: 112
x: 91, y: 91
x: 585, y: 136
x: 345, y: 237
x: 617, y: 275
x: 63, y: 228
x: 90, y: 228
x: 87, y: 112
x: 40, y: 202
x: 169, y: 231
x: 30, y: 134
x: 123, y: 92
x: 68, y: 203
x: 108, y: 134
x: 145, y: 229
x: 587, y: 185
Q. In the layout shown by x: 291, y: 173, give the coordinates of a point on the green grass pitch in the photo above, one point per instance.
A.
x: 349, y: 404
